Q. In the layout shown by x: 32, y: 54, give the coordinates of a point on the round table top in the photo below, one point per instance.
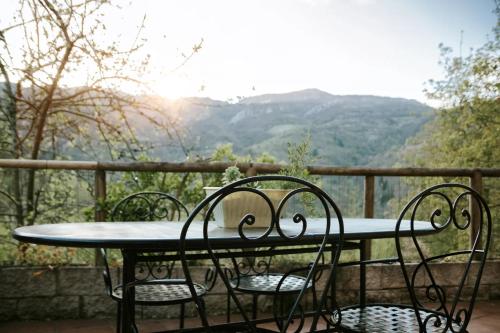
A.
x: 166, y: 234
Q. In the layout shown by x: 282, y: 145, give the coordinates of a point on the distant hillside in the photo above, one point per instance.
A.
x: 353, y: 130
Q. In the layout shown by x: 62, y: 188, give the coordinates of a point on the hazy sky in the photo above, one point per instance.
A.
x: 377, y: 47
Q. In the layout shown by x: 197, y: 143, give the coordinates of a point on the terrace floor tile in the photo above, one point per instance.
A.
x: 486, y: 319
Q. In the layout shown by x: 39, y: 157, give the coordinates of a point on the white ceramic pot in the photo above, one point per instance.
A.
x: 235, y: 206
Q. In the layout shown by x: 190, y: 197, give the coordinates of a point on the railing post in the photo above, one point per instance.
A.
x: 251, y: 171
x: 369, y: 206
x: 476, y: 182
x: 100, y: 210
x: 365, y: 245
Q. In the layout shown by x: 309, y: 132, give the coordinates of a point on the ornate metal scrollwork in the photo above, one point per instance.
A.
x: 332, y: 316
x: 298, y: 218
x: 434, y: 320
x: 297, y: 322
x: 149, y: 206
x: 252, y: 273
x: 154, y: 270
x: 462, y: 316
x: 252, y: 265
x: 444, y: 308
x: 210, y: 278
x: 464, y: 211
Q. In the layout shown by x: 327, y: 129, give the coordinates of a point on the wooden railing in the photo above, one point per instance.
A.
x: 475, y: 175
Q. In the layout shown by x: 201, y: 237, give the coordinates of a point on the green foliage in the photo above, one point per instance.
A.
x: 465, y: 132
x: 466, y: 129
x: 41, y: 118
x: 265, y: 158
x: 231, y: 174
x: 32, y: 254
x: 299, y: 157
x: 346, y: 130
x: 187, y: 187
x: 60, y: 198
x: 224, y: 153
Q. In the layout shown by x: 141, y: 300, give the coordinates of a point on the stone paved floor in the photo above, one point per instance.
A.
x: 486, y: 319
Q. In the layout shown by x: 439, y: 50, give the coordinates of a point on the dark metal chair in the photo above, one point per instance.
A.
x: 255, y: 277
x: 150, y: 206
x: 433, y: 307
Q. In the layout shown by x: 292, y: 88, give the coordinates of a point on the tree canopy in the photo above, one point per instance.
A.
x: 61, y: 92
x: 466, y: 130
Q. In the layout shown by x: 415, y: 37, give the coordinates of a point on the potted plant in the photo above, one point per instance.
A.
x: 235, y: 206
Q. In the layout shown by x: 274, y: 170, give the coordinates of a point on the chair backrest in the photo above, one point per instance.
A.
x: 279, y: 229
x: 149, y: 206
x: 456, y: 237
x: 146, y: 206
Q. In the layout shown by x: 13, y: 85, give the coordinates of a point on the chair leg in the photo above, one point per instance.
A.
x: 203, y: 314
x: 315, y: 305
x: 118, y: 317
x: 228, y: 310
x: 181, y: 324
x: 254, y: 307
x: 282, y: 312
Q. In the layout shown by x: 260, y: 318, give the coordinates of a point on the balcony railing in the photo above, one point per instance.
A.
x: 475, y: 176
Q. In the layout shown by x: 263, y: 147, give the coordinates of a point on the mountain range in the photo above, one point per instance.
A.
x: 345, y: 130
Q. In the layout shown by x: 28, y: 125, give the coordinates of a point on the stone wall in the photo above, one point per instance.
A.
x: 78, y: 292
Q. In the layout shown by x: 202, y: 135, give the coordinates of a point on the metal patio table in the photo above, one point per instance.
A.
x: 138, y: 237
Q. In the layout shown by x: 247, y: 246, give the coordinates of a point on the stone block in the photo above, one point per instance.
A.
x: 198, y: 275
x: 98, y: 307
x: 482, y: 294
x: 217, y: 304
x: 446, y: 274
x: 374, y: 277
x: 378, y: 276
x: 321, y: 281
x: 491, y: 273
x: 386, y: 296
x: 18, y: 282
x: 347, y: 297
x: 348, y: 278
x: 78, y: 292
x: 244, y: 299
x: 55, y: 307
x: 8, y: 309
x: 392, y: 276
x: 80, y: 281
x: 421, y: 276
x: 494, y: 291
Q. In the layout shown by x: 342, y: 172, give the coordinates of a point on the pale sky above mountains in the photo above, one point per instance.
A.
x: 375, y: 47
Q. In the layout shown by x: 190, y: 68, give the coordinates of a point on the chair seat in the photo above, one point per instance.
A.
x: 158, y: 294
x: 267, y: 283
x: 390, y: 318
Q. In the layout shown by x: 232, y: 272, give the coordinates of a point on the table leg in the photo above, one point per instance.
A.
x: 333, y: 287
x: 362, y: 273
x: 128, y: 307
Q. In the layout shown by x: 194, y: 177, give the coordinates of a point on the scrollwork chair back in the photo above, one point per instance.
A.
x: 281, y: 231
x: 148, y: 206
x: 446, y: 206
